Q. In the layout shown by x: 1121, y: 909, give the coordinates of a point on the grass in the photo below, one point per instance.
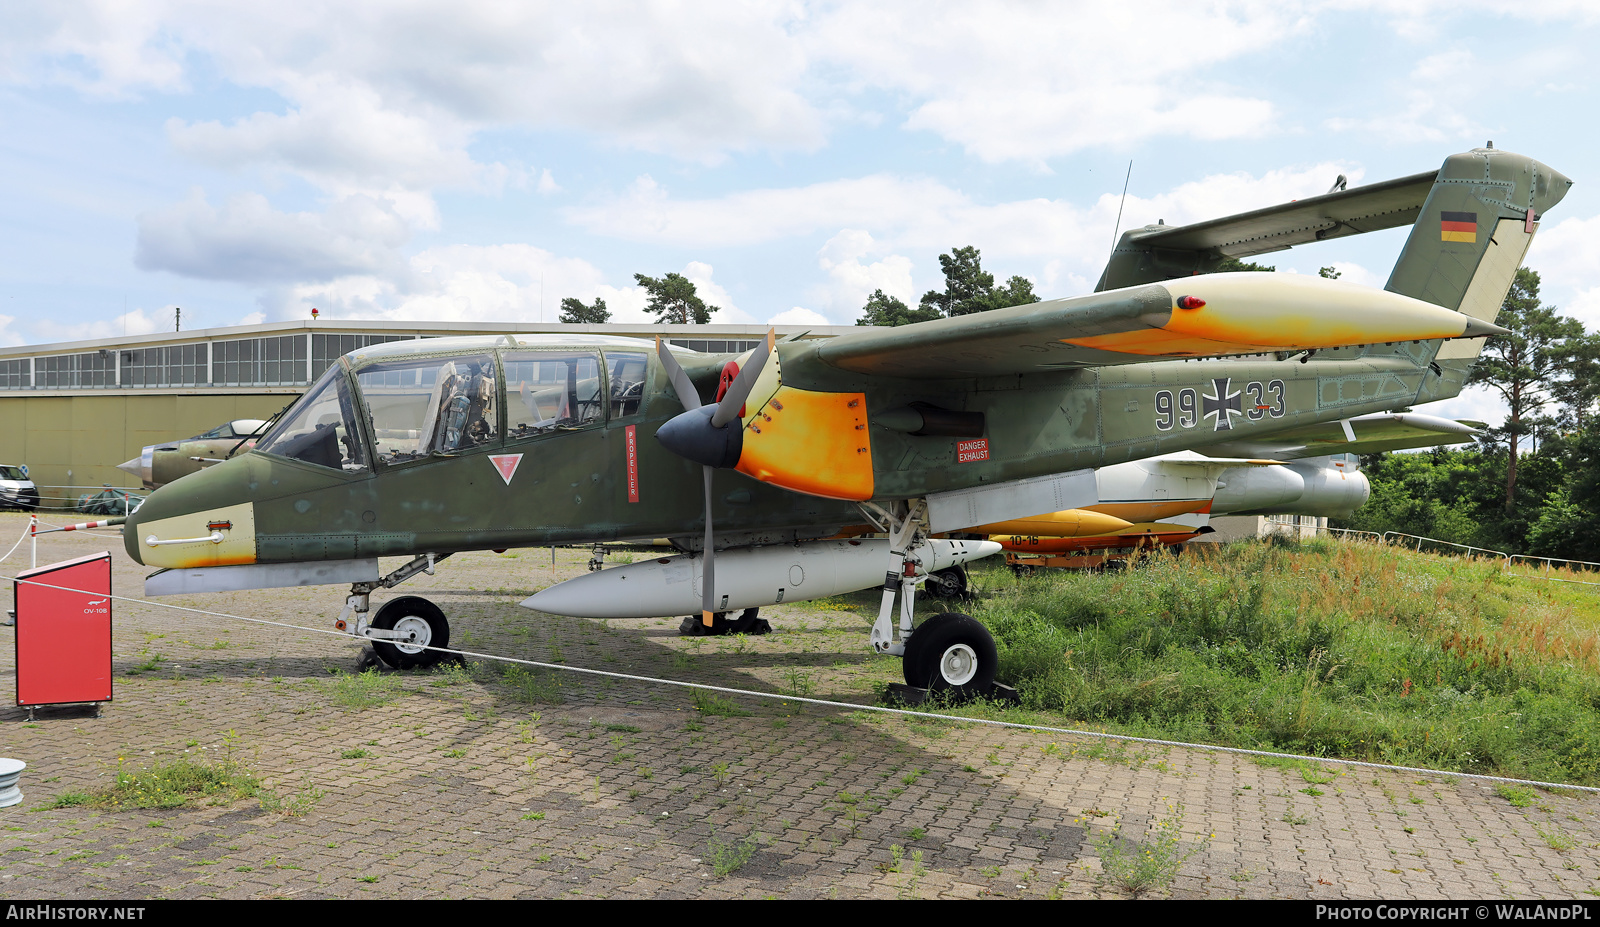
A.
x: 729, y: 856
x: 1148, y: 864
x: 296, y: 805
x: 174, y: 785
x: 710, y: 703
x: 534, y: 687
x: 362, y: 690
x: 1320, y: 648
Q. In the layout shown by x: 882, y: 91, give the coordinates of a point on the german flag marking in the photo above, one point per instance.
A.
x: 1458, y: 226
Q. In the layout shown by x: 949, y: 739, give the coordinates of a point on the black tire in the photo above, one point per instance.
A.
x: 746, y: 622
x: 949, y: 583
x: 420, y: 616
x: 953, y: 653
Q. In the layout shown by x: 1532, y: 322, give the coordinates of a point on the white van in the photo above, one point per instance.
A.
x: 16, y: 490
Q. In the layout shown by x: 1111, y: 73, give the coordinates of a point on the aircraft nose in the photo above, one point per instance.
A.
x: 691, y: 435
x: 141, y: 466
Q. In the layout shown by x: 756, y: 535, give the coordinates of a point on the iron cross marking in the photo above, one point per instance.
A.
x: 1222, y: 405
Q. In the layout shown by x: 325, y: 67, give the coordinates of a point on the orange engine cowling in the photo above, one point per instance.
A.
x: 810, y: 442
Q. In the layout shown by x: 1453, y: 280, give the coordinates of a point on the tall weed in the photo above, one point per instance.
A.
x: 1324, y: 648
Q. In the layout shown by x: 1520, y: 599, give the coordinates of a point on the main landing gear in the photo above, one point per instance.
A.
x: 405, y: 630
x: 950, y: 653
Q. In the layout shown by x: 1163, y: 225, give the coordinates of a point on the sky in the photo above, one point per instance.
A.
x: 482, y: 161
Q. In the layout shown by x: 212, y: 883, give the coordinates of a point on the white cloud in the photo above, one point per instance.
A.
x: 886, y: 214
x: 1026, y: 81
x: 495, y: 283
x: 134, y: 322
x: 850, y: 281
x: 340, y: 136
x: 1474, y: 404
x: 8, y: 337
x: 799, y: 315
x: 248, y: 241
x: 1566, y: 254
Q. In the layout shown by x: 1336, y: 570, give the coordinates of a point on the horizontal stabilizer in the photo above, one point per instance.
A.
x: 1159, y: 252
x: 1374, y: 207
x: 1364, y: 434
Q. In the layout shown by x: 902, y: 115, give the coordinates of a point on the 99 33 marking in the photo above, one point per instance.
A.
x: 1220, y: 403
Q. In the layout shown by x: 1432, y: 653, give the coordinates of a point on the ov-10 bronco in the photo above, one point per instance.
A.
x: 758, y: 462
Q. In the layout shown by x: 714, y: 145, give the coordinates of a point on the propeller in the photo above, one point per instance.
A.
x: 710, y: 436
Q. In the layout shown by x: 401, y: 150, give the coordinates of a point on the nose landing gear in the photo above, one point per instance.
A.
x: 405, y: 629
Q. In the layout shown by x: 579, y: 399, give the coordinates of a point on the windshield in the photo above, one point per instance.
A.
x: 11, y: 473
x: 546, y: 390
x: 434, y: 405
x: 320, y: 428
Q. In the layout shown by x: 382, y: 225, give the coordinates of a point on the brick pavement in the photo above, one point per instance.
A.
x: 473, y: 783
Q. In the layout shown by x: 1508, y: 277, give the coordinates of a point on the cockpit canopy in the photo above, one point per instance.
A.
x: 420, y: 399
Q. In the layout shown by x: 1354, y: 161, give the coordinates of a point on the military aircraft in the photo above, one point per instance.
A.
x: 1169, y: 500
x: 426, y: 448
x: 160, y: 464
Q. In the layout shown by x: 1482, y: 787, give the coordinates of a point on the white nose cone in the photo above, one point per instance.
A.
x: 746, y: 578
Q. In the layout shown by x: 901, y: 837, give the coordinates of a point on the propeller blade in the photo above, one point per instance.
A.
x: 680, y: 380
x: 739, y: 390
x: 708, y: 571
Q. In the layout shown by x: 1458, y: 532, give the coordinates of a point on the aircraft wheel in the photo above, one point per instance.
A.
x: 949, y: 583
x: 746, y: 622
x: 953, y: 653
x: 425, y: 624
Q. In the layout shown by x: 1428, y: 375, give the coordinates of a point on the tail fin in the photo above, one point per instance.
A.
x: 1464, y: 251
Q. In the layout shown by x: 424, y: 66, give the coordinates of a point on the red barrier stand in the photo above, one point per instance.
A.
x: 64, y: 634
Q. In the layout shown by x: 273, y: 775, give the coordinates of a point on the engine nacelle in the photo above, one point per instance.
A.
x: 746, y: 578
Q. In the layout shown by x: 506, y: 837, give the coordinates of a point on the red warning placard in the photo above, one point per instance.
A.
x: 633, y: 463
x: 64, y: 632
x: 973, y: 450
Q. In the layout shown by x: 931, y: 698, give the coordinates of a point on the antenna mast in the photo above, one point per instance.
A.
x: 1124, y: 202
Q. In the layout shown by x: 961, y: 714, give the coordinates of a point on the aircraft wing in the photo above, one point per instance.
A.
x: 1364, y: 434
x: 1211, y: 315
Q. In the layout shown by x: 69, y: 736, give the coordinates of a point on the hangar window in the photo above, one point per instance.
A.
x: 16, y: 374
x: 551, y: 390
x: 278, y: 361
x: 67, y: 371
x: 168, y: 365
x: 430, y: 405
x: 320, y: 428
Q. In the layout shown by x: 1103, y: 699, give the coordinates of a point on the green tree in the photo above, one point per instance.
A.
x: 1568, y: 525
x: 1018, y: 291
x: 968, y: 288
x: 672, y: 299
x: 573, y: 310
x: 1328, y: 273
x: 883, y: 309
x: 1580, y: 392
x: 1529, y: 368
x: 1234, y: 266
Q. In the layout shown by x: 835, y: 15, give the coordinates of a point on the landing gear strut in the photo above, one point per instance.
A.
x: 950, y: 652
x: 404, y: 629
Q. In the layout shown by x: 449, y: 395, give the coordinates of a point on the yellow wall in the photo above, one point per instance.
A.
x: 79, y: 440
